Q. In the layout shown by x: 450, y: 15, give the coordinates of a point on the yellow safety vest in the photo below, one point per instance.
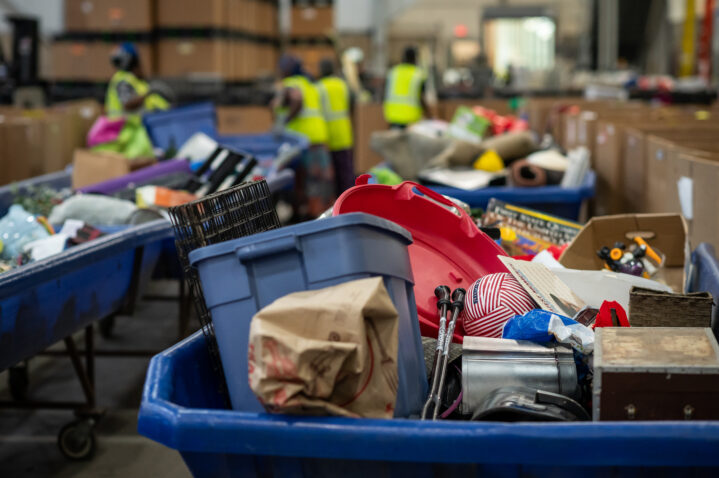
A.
x: 309, y: 122
x: 402, y: 103
x: 336, y: 109
x: 113, y: 105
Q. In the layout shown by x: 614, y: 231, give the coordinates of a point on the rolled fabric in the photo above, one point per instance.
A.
x: 526, y: 175
x: 510, y: 146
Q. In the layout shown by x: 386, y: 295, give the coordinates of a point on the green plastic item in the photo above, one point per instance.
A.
x: 132, y: 142
x: 470, y: 122
x: 386, y: 176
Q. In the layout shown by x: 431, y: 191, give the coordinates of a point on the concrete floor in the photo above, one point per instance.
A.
x: 28, y: 438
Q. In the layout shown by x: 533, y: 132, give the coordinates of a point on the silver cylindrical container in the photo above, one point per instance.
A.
x: 488, y: 364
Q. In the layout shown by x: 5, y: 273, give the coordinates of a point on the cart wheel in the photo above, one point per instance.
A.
x: 77, y: 440
x: 18, y: 381
x: 106, y: 326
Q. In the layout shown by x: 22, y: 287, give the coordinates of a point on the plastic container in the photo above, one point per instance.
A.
x: 705, y: 278
x: 241, y: 276
x: 58, y: 180
x: 448, y: 247
x: 267, y: 147
x: 182, y: 409
x: 45, y: 301
x: 562, y: 202
x: 173, y: 127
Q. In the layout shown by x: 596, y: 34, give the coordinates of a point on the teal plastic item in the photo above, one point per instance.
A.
x: 241, y: 276
x: 18, y: 228
x: 48, y: 300
x: 182, y: 409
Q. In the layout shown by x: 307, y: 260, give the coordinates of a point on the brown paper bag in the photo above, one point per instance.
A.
x: 329, y: 351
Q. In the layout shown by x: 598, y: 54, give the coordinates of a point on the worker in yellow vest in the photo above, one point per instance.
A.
x: 337, y: 107
x: 404, y: 93
x: 128, y: 92
x: 297, y: 108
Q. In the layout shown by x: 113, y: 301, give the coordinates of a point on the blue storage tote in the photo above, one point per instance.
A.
x: 182, y: 409
x: 175, y: 126
x: 555, y: 200
x: 241, y: 276
x: 704, y: 277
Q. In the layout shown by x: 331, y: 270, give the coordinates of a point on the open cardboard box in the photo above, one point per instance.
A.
x: 667, y: 232
x: 91, y: 167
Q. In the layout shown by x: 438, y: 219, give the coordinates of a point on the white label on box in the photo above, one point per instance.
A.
x: 86, y: 7
x: 685, y: 188
x: 660, y: 154
x: 610, y: 129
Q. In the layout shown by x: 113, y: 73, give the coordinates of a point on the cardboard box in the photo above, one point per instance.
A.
x: 312, y: 54
x: 311, y: 20
x: 83, y: 113
x: 90, y: 61
x: 704, y: 220
x: 666, y: 232
x: 194, y: 13
x: 200, y: 56
x: 243, y: 119
x: 90, y: 167
x: 20, y: 148
x: 368, y: 118
x: 109, y: 15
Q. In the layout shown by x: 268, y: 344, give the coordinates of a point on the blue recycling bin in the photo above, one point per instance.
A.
x: 182, y: 409
x: 554, y: 200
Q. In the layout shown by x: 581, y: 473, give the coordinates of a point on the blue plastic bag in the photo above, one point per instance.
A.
x: 532, y: 326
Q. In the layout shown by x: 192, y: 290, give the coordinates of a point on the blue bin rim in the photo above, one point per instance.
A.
x: 302, y: 229
x: 202, y: 107
x: 101, y: 248
x: 536, y: 194
x: 214, y: 431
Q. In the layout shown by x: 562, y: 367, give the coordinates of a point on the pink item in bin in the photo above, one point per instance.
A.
x: 447, y: 247
x: 104, y: 130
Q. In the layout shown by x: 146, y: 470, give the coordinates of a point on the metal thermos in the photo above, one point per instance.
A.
x: 488, y: 364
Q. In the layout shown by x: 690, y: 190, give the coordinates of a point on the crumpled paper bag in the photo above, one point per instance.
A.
x: 329, y: 351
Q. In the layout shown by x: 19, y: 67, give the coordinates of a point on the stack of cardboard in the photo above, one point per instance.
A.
x: 227, y: 39
x: 311, y: 25
x: 93, y: 29
x: 35, y: 142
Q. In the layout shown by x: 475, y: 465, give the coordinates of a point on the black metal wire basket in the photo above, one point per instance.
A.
x: 230, y: 214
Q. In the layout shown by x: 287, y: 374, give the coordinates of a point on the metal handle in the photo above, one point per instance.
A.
x: 268, y: 248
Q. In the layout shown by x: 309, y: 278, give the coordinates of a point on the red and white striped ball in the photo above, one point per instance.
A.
x: 491, y: 301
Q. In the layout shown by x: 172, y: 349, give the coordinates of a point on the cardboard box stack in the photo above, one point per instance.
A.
x: 93, y: 29
x: 311, y: 25
x: 35, y: 142
x: 233, y: 40
x: 650, y: 159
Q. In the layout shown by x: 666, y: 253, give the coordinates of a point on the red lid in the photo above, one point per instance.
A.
x: 447, y: 247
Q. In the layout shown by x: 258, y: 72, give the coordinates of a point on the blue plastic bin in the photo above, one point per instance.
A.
x: 58, y: 180
x: 241, y: 276
x: 265, y: 146
x: 174, y: 127
x: 45, y: 301
x: 562, y: 202
x: 705, y: 278
x: 182, y: 409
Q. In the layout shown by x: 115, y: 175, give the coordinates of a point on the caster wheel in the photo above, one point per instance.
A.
x: 18, y: 381
x: 77, y: 440
x: 107, y: 325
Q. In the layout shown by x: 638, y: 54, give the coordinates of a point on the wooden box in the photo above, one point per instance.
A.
x: 655, y: 373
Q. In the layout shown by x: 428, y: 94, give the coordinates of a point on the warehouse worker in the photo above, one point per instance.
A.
x: 404, y: 92
x: 128, y: 92
x: 298, y: 109
x: 337, y: 109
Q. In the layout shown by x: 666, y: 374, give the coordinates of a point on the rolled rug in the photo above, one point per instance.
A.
x: 524, y: 174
